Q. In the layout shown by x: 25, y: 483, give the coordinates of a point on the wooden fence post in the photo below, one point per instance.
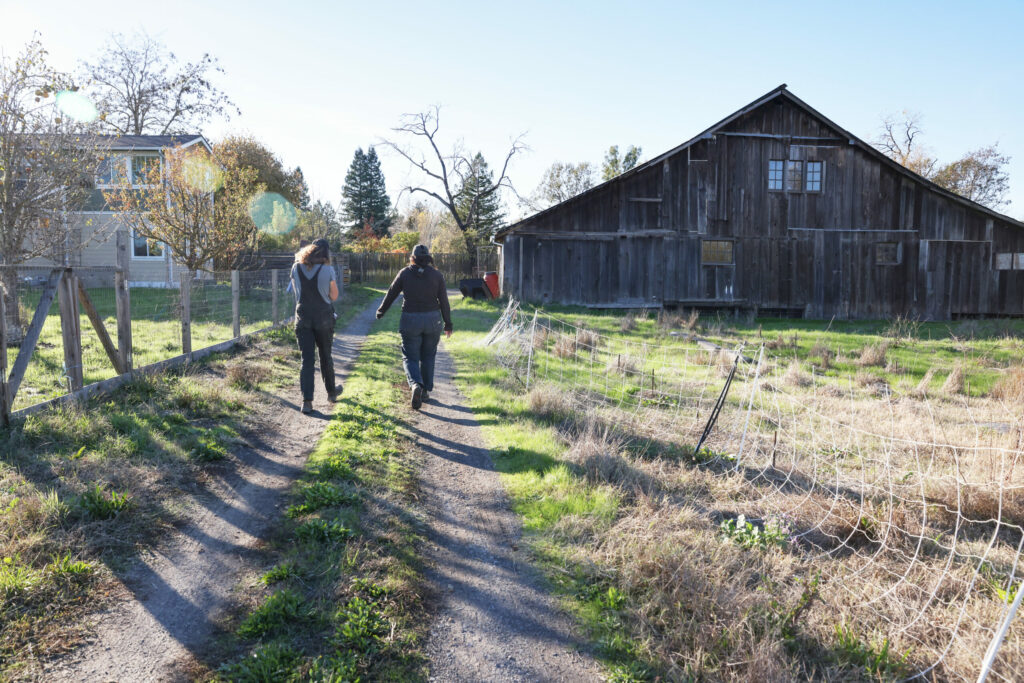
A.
x: 122, y: 296
x: 5, y: 406
x: 185, y: 294
x: 275, y: 314
x: 71, y: 329
x: 236, y: 323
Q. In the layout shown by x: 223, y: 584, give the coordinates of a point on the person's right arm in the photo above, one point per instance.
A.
x: 446, y: 309
x: 393, y: 291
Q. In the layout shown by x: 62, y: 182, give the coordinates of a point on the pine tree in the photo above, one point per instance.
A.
x: 482, y: 213
x: 364, y: 198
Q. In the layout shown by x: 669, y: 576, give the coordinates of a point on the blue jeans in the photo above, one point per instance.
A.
x: 421, y: 333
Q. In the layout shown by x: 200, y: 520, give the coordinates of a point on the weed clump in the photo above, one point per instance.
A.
x: 1010, y: 386
x: 280, y: 609
x: 550, y: 402
x: 100, y: 505
x: 247, y: 375
x: 954, y: 383
x: 873, y: 355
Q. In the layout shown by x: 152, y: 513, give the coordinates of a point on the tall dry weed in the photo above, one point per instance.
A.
x: 1010, y: 387
x: 954, y: 383
x: 873, y: 355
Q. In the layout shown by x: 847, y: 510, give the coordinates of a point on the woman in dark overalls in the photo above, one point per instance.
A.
x: 315, y: 287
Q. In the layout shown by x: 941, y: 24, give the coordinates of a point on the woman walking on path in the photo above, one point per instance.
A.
x: 315, y: 287
x: 425, y: 312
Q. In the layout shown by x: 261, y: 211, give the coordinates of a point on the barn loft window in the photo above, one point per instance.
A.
x: 775, y: 174
x: 887, y: 253
x: 716, y: 252
x: 1004, y: 261
x: 814, y: 173
x: 794, y: 175
x: 1018, y: 261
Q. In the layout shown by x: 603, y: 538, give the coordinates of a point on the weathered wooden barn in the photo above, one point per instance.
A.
x: 776, y: 209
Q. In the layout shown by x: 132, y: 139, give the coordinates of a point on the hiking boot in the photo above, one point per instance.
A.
x: 332, y: 396
x: 417, y: 397
x: 426, y: 395
x: 307, y: 407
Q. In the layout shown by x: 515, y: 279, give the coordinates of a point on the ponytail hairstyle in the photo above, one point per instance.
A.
x: 312, y: 254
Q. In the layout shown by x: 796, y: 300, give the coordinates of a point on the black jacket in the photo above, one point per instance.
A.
x: 424, y: 290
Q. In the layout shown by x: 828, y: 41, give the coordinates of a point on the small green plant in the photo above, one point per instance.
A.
x: 706, y: 455
x: 271, y: 662
x: 53, y: 507
x: 851, y: 649
x: 748, y: 535
x: 334, y: 467
x: 369, y: 587
x: 342, y: 667
x: 63, y: 565
x: 211, y: 445
x: 316, y: 496
x: 285, y: 570
x: 319, y: 530
x: 361, y: 625
x: 280, y: 609
x: 100, y: 505
x: 613, y: 599
x: 15, y: 577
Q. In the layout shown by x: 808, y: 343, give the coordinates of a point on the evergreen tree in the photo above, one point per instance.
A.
x: 480, y: 211
x: 364, y: 198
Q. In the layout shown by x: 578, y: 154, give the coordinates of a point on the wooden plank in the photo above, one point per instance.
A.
x: 275, y: 314
x: 236, y: 293
x: 101, y: 330
x: 122, y: 296
x: 5, y: 406
x: 70, y: 328
x: 185, y: 294
x: 28, y: 344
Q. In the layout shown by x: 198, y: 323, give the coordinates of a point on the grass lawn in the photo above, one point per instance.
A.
x: 156, y: 330
x: 643, y: 538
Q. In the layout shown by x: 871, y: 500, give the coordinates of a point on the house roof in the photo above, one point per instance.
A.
x: 779, y: 92
x: 151, y: 142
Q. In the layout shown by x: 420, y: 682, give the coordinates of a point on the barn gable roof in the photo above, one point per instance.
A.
x: 779, y: 92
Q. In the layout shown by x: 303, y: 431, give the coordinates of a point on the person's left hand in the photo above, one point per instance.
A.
x: 448, y: 334
x: 380, y: 314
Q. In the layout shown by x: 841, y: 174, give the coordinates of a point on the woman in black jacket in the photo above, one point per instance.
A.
x: 425, y: 313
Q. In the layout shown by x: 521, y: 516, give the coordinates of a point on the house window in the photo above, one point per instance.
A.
x: 775, y: 174
x: 716, y: 252
x: 1004, y: 261
x: 887, y: 254
x: 143, y: 247
x: 814, y: 174
x: 794, y: 173
x: 143, y: 166
x: 111, y: 171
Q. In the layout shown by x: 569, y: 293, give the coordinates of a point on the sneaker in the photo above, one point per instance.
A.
x: 332, y: 396
x: 417, y: 397
x: 426, y: 395
x: 307, y: 407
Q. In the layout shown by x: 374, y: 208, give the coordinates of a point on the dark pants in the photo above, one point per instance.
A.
x: 310, y: 341
x: 421, y: 333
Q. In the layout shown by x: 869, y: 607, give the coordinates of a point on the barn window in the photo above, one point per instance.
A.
x: 814, y: 175
x: 794, y: 173
x: 1004, y: 261
x: 716, y: 252
x: 1018, y: 261
x: 775, y: 174
x: 887, y: 253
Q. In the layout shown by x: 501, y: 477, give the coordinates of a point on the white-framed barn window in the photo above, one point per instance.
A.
x: 1004, y: 261
x: 775, y: 167
x: 815, y: 175
x: 145, y: 248
x: 794, y: 176
x: 1018, y: 261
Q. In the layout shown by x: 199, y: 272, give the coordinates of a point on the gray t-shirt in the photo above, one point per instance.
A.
x: 323, y: 280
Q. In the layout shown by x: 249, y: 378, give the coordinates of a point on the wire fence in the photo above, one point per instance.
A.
x: 381, y: 268
x: 221, y: 307
x: 911, y: 506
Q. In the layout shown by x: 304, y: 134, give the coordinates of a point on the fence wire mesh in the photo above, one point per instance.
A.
x: 910, y: 506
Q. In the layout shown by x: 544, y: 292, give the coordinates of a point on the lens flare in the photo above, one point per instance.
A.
x: 76, y: 106
x: 272, y: 213
x: 201, y: 174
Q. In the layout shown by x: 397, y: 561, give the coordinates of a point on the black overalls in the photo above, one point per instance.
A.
x: 314, y: 328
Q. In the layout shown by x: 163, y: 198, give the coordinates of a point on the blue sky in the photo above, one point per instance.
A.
x: 315, y: 80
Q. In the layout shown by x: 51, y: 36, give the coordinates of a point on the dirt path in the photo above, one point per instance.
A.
x: 495, y: 621
x: 179, y: 590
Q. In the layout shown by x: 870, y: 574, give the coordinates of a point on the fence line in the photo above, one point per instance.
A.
x: 156, y: 328
x: 381, y: 268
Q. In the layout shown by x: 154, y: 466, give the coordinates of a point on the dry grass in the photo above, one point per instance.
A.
x: 587, y: 339
x: 1010, y: 387
x: 248, y: 375
x: 922, y: 388
x: 781, y: 342
x: 550, y: 402
x: 540, y: 337
x: 565, y: 347
x: 625, y: 364
x: 628, y: 323
x: 824, y: 355
x: 954, y: 383
x: 873, y: 355
x: 796, y: 377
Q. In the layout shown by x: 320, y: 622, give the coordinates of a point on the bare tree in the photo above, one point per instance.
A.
x: 979, y: 176
x: 899, y: 139
x: 48, y: 162
x: 142, y: 88
x: 447, y: 173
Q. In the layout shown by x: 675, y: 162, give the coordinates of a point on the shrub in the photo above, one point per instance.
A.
x: 99, y: 505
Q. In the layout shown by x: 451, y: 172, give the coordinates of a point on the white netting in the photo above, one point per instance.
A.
x: 912, y: 507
